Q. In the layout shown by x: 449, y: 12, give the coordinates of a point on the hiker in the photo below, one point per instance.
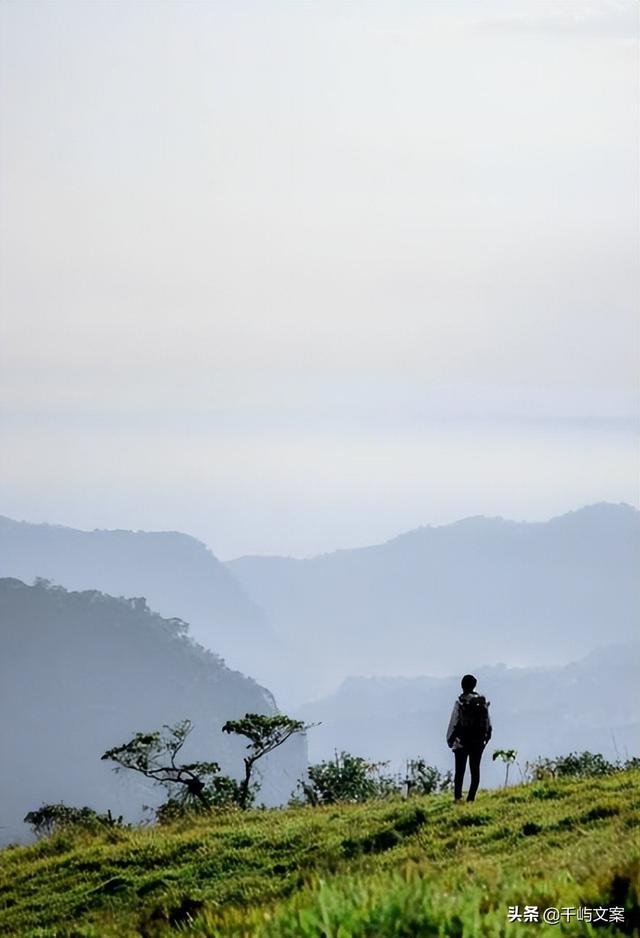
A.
x: 468, y: 733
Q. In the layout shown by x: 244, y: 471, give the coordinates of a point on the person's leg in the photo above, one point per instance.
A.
x: 461, y: 764
x: 475, y: 755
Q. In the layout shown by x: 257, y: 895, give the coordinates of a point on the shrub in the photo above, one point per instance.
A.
x: 346, y: 778
x: 424, y: 779
x: 577, y: 765
x: 222, y: 792
x: 353, y: 778
x: 55, y: 817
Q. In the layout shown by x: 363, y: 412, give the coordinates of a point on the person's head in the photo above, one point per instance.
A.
x: 468, y: 683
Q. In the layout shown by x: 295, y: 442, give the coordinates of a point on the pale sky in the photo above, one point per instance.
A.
x: 292, y: 276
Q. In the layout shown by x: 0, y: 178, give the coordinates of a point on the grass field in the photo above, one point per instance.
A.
x: 385, y: 868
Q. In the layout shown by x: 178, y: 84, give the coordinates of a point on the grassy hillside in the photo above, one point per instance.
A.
x: 385, y: 868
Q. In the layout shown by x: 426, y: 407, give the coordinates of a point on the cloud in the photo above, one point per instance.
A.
x: 615, y: 19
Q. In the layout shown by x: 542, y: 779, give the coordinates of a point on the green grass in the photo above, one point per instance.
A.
x: 387, y: 868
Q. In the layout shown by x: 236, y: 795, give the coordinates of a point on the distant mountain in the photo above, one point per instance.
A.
x: 81, y: 672
x: 482, y: 589
x: 431, y: 600
x: 590, y: 704
x: 177, y: 575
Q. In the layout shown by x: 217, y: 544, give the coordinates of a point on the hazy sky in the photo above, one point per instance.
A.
x: 291, y: 276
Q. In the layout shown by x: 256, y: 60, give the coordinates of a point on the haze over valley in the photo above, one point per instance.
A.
x: 431, y: 601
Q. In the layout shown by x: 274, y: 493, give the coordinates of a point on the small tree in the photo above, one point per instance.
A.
x: 265, y: 733
x: 154, y: 755
x: 508, y: 756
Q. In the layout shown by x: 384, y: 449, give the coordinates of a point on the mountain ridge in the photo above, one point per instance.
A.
x: 625, y: 508
x: 524, y: 592
x: 178, y: 574
x: 519, y: 592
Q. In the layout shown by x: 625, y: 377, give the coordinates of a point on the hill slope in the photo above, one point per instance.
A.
x: 82, y: 672
x: 177, y: 575
x: 388, y: 868
x: 446, y: 599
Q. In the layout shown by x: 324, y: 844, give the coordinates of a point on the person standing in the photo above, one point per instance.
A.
x: 468, y: 733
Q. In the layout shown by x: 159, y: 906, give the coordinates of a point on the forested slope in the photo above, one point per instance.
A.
x: 81, y: 672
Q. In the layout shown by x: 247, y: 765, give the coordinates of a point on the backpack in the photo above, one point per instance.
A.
x: 473, y: 718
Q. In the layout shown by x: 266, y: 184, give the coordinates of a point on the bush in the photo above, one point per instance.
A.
x: 346, y: 778
x: 222, y: 792
x: 578, y: 765
x: 352, y: 778
x: 56, y: 817
x: 423, y: 779
x: 583, y: 764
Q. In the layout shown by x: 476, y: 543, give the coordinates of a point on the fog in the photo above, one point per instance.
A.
x: 300, y: 277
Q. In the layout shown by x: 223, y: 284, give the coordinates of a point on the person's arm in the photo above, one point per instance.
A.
x: 453, y: 725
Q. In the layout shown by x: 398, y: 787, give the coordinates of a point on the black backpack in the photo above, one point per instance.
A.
x: 473, y: 718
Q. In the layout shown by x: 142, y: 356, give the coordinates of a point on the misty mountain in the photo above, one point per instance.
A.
x: 589, y: 704
x: 81, y: 672
x: 437, y: 598
x: 177, y: 574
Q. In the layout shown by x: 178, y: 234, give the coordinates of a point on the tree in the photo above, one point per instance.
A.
x: 154, y: 755
x: 265, y: 733
x: 508, y: 756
